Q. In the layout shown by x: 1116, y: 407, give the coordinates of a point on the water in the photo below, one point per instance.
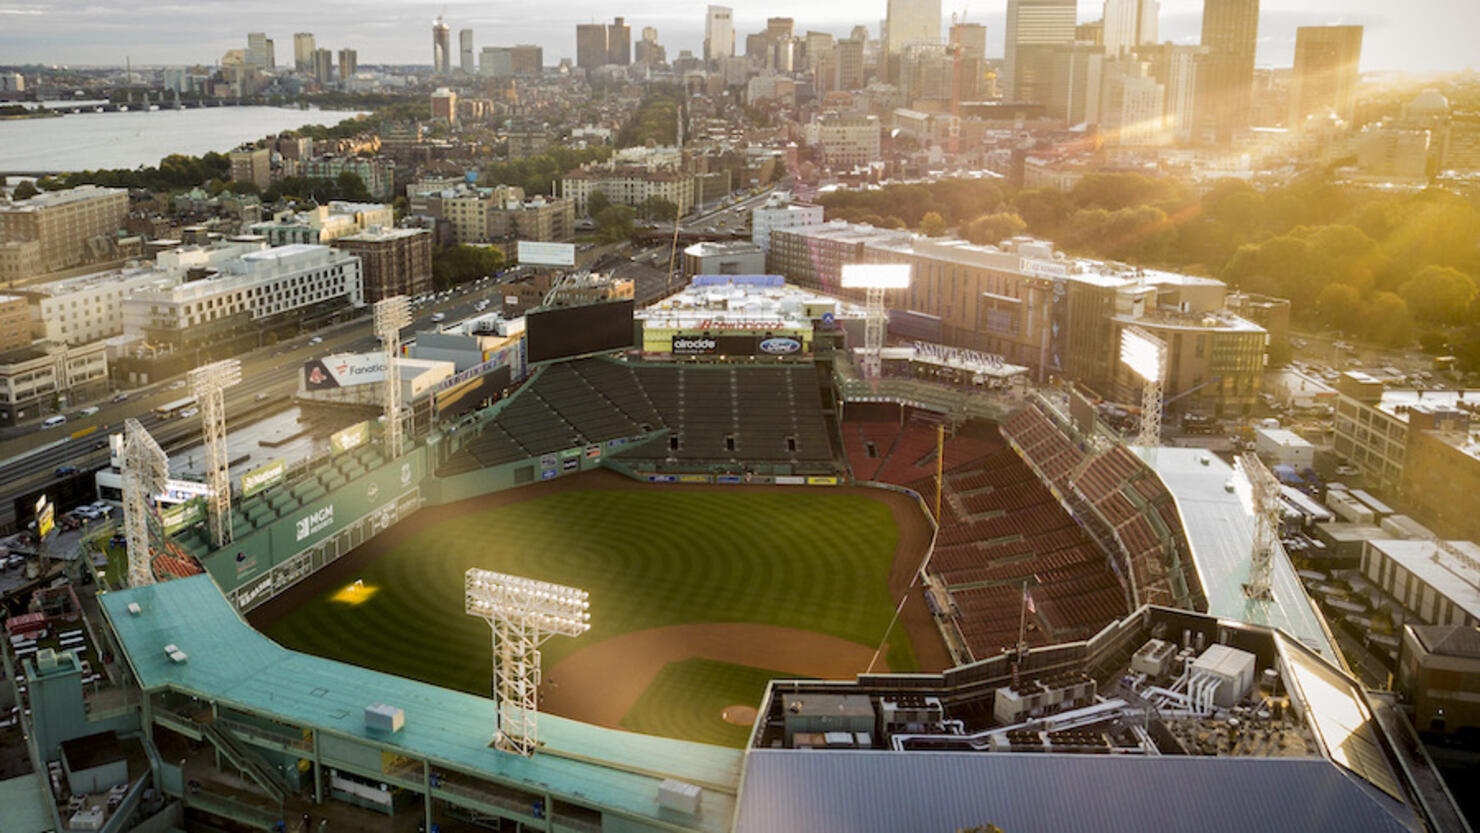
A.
x: 89, y: 141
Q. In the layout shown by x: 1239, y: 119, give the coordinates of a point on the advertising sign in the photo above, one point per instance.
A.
x: 181, y: 515
x: 694, y: 345
x: 45, y: 520
x: 349, y: 438
x: 179, y: 491
x: 559, y: 332
x: 265, y: 477
x: 570, y: 464
x: 547, y: 254
x: 781, y: 346
x: 343, y: 371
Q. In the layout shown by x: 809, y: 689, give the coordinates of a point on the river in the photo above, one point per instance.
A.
x: 88, y: 141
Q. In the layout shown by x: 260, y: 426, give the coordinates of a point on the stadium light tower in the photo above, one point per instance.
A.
x: 875, y: 279
x: 145, y: 469
x: 207, y: 383
x: 523, y: 614
x: 391, y: 314
x: 1265, y: 490
x: 1146, y: 356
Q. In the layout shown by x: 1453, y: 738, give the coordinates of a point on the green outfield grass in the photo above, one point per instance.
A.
x: 815, y: 561
x: 687, y: 700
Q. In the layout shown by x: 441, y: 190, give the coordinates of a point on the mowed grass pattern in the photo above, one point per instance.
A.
x: 687, y: 700
x: 815, y: 561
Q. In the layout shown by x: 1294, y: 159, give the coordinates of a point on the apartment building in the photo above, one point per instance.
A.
x: 254, y: 165
x: 629, y: 185
x: 15, y: 322
x: 779, y: 214
x: 847, y: 141
x: 324, y: 223
x: 46, y: 378
x: 392, y: 261
x: 377, y: 172
x: 258, y: 289
x: 1378, y: 428
x: 59, y: 229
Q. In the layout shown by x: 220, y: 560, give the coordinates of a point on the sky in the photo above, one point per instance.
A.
x: 1412, y: 35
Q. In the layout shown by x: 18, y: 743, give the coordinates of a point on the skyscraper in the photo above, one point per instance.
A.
x: 912, y: 21
x: 971, y: 37
x: 1230, y: 31
x: 1035, y: 29
x: 619, y: 42
x: 1128, y: 24
x: 849, y: 74
x: 1326, y: 63
x: 719, y: 33
x: 349, y: 64
x: 303, y: 47
x: 441, y: 47
x: 256, y: 50
x: 528, y: 59
x: 590, y: 45
x: 465, y: 50
x: 648, y: 51
x: 323, y: 66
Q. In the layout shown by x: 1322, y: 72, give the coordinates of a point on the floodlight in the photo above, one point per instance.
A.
x: 390, y: 315
x: 1143, y: 353
x: 876, y: 276
x: 523, y: 613
x: 207, y: 383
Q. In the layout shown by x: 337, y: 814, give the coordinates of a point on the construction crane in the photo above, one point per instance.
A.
x: 1265, y: 490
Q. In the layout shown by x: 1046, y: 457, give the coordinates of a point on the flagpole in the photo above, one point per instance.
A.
x: 940, y: 465
x: 1023, y: 621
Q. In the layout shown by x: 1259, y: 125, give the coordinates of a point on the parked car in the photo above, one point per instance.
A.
x: 1347, y: 470
x: 86, y: 412
x: 189, y: 412
x: 66, y: 471
x: 120, y: 397
x: 316, y: 340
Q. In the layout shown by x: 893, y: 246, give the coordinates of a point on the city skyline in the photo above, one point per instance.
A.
x: 76, y: 34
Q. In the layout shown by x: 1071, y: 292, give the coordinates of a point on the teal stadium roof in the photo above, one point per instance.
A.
x: 231, y: 663
x: 1220, y: 529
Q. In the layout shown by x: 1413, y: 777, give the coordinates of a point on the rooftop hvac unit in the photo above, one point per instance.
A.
x: 384, y: 718
x: 134, y: 609
x: 46, y: 659
x: 1233, y: 668
x: 910, y: 709
x: 1154, y: 658
x: 679, y: 795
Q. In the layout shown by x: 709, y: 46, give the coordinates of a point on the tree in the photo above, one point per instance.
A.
x: 657, y: 208
x: 1340, y: 306
x: 1388, y: 320
x: 596, y: 202
x: 932, y: 224
x: 25, y: 190
x: 614, y: 223
x: 1043, y: 209
x: 1439, y: 294
x: 991, y: 229
x: 350, y: 186
x: 461, y: 263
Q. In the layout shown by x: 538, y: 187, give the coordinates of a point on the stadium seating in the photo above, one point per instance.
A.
x: 716, y: 413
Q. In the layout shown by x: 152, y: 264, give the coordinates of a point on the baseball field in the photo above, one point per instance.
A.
x: 698, y: 596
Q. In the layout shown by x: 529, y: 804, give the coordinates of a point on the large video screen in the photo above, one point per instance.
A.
x: 573, y: 331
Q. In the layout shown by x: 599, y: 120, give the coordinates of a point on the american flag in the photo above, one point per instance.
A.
x: 1028, y: 600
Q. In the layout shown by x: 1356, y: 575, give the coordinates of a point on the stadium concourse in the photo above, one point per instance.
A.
x: 1117, y: 566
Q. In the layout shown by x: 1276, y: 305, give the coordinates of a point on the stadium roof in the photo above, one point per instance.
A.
x: 853, y: 791
x: 1220, y: 531
x: 230, y: 662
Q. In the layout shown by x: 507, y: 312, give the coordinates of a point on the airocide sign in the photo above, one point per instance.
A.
x: 694, y: 346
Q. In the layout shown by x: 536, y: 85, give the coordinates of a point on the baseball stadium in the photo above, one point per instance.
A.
x: 776, y: 552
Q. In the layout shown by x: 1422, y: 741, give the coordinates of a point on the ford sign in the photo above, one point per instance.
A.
x: 780, y: 346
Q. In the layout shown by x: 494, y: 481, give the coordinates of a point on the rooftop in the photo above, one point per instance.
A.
x: 51, y: 199
x: 1453, y: 571
x: 230, y: 663
x: 1216, y: 506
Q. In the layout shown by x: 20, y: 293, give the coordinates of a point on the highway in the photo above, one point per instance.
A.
x: 30, y: 456
x: 30, y: 461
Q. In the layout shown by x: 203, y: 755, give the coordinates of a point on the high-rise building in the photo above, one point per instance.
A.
x: 1132, y: 108
x: 912, y: 21
x: 444, y: 105
x: 303, y: 47
x: 256, y: 55
x: 1230, y: 31
x: 349, y: 64
x: 1091, y: 33
x: 66, y: 227
x: 1077, y: 81
x: 528, y: 59
x: 971, y: 37
x: 719, y: 33
x: 1326, y: 64
x: 590, y: 45
x: 465, y: 50
x: 619, y: 42
x: 1175, y: 66
x: 648, y: 52
x: 496, y: 62
x: 1035, y: 29
x: 441, y: 47
x: 323, y: 66
x: 1129, y: 24
x: 849, y: 74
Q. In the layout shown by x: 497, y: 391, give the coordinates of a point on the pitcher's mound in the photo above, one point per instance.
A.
x: 739, y: 715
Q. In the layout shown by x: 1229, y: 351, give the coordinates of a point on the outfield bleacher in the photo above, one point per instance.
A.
x: 1000, y: 528
x: 713, y: 414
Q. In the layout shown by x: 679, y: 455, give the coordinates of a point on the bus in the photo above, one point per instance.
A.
x: 174, y: 409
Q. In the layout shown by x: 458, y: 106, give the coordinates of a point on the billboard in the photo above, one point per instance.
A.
x: 559, y: 332
x: 181, y: 515
x: 343, y: 371
x: 460, y: 398
x: 264, y: 477
x: 348, y: 438
x: 547, y: 254
x: 45, y: 520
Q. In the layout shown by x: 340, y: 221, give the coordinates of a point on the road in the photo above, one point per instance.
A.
x: 29, y: 461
